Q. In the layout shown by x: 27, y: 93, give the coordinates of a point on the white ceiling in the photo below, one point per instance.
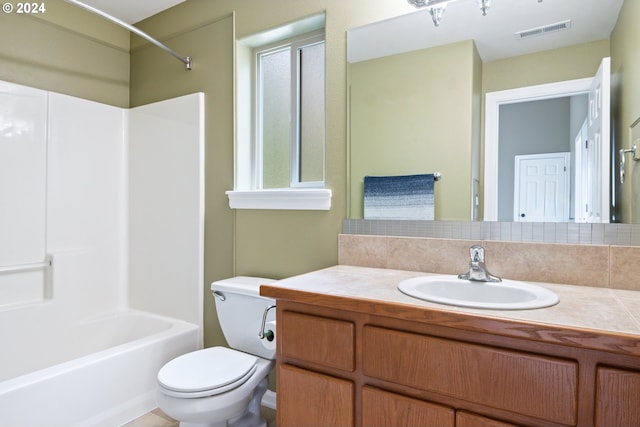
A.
x: 132, y: 11
x: 493, y: 33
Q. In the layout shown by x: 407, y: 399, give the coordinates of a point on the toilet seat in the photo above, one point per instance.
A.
x: 206, y: 372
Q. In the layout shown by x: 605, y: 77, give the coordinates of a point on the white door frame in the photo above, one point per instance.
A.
x: 493, y: 101
x: 579, y: 173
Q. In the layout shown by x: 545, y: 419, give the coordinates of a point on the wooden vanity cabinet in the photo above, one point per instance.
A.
x: 617, y: 397
x: 384, y: 409
x: 467, y: 419
x: 339, y: 367
x: 532, y: 385
x: 314, y: 399
x: 322, y: 340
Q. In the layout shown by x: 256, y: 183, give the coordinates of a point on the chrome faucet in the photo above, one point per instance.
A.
x: 477, y: 270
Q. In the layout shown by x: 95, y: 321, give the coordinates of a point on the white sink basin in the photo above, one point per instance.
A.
x: 505, y: 295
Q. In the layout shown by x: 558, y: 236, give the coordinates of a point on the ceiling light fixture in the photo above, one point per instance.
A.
x: 436, y: 13
x: 436, y: 8
x: 484, y: 6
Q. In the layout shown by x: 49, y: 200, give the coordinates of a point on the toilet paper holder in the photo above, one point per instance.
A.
x: 269, y: 334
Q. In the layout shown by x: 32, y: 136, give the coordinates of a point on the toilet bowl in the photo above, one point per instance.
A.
x: 220, y: 405
x: 222, y: 386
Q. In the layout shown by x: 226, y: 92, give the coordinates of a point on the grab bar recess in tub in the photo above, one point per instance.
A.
x: 48, y: 262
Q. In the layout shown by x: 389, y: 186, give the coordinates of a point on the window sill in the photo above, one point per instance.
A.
x: 318, y: 199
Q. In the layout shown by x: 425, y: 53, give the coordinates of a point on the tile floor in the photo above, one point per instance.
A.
x: 157, y: 418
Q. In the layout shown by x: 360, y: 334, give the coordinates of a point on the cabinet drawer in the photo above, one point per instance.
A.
x: 320, y: 340
x: 467, y: 419
x: 537, y: 386
x: 617, y: 401
x: 311, y: 399
x: 385, y: 409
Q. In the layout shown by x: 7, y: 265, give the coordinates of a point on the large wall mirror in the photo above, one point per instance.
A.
x: 484, y: 99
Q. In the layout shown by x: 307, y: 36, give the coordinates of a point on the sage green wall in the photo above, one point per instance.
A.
x: 567, y: 63
x: 413, y: 113
x: 476, y: 137
x: 625, y: 65
x: 156, y: 76
x: 251, y: 242
x: 66, y: 50
x: 282, y: 243
x: 70, y: 51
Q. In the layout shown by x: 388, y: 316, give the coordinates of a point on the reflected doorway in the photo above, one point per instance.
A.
x: 598, y: 113
x: 540, y: 129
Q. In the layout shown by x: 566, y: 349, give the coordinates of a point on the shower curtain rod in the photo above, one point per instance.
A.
x: 185, y: 60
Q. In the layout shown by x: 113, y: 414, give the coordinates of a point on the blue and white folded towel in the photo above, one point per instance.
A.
x: 399, y: 197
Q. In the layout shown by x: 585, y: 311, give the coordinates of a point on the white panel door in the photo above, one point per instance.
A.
x: 599, y: 145
x: 541, y: 187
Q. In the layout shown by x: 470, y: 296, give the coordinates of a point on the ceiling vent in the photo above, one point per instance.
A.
x: 547, y: 29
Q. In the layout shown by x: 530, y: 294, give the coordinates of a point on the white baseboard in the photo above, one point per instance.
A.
x: 269, y: 399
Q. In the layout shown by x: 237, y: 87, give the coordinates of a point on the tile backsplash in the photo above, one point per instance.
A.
x: 542, y: 232
x: 600, y: 265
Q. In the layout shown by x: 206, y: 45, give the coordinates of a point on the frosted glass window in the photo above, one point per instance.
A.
x: 290, y: 114
x: 275, y: 85
x: 312, y: 107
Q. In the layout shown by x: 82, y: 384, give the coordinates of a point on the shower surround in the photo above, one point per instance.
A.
x: 101, y: 253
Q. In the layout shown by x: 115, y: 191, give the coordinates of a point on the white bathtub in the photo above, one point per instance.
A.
x: 94, y: 373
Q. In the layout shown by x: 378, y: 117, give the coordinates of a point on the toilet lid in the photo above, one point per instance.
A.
x: 206, y: 369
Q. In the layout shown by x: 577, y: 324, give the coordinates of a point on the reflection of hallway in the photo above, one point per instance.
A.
x: 532, y: 128
x: 548, y: 118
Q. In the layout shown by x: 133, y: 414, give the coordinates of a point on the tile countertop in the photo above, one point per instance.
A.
x: 598, y: 318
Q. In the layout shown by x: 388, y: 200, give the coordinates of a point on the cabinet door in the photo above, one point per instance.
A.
x: 309, y: 399
x: 533, y: 385
x: 384, y: 409
x: 467, y: 419
x: 617, y: 398
x: 328, y: 342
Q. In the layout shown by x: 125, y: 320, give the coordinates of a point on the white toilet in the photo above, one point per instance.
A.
x: 221, y: 386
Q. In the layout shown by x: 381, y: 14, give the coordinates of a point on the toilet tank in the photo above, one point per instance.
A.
x: 240, y: 309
